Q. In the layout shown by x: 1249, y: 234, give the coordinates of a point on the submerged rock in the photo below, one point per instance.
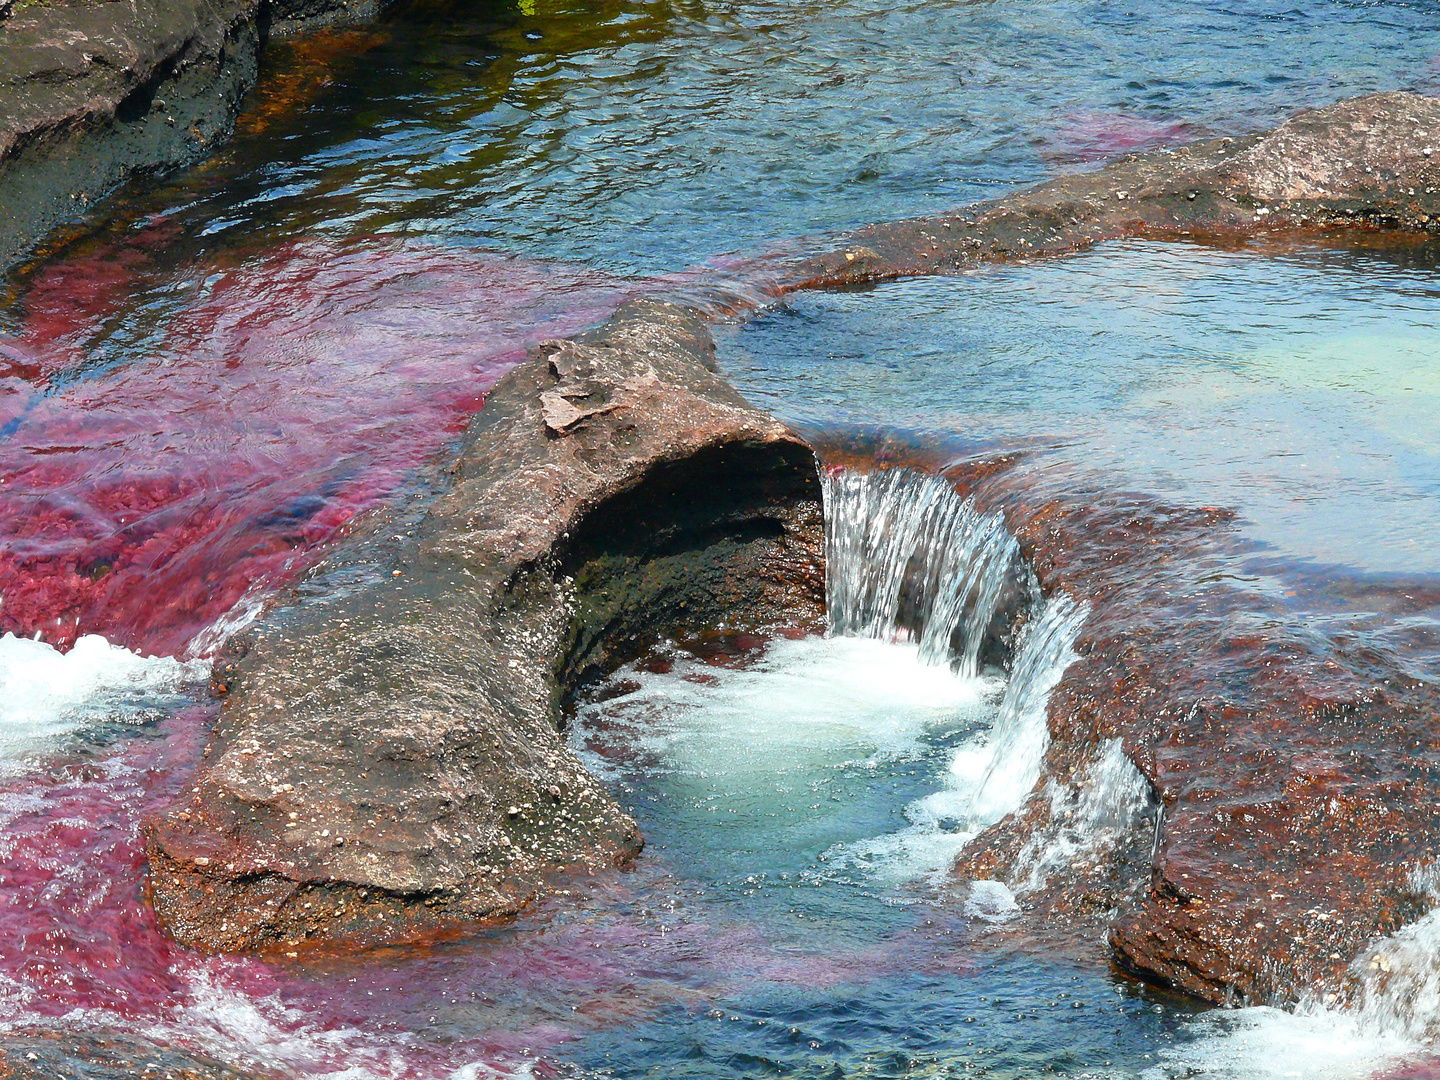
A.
x: 389, y: 761
x: 37, y: 1054
x: 1287, y: 809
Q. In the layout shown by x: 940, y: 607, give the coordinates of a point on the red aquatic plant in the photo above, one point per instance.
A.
x: 150, y: 476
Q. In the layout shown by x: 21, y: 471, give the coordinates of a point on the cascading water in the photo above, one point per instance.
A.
x: 906, y: 556
x: 1020, y: 734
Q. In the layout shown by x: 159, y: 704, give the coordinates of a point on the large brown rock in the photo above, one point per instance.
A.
x: 389, y: 761
x: 1293, y: 772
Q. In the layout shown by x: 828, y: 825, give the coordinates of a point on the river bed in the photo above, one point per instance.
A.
x: 209, y: 380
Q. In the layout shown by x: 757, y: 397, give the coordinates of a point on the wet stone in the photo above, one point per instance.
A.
x: 389, y: 762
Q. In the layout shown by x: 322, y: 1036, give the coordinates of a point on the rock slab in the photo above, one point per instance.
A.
x: 389, y: 763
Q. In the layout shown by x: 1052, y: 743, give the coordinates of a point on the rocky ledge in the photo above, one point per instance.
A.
x: 1285, y: 808
x: 389, y: 761
x: 1369, y: 162
x: 94, y: 93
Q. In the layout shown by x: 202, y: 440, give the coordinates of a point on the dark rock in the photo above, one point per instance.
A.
x: 94, y: 93
x: 389, y: 761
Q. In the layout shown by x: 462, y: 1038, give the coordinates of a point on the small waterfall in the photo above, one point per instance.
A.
x: 907, y: 557
x: 1088, y: 817
x: 1018, y: 740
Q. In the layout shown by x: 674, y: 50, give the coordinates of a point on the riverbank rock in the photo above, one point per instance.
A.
x: 1368, y: 162
x: 94, y: 93
x: 1276, y: 810
x: 389, y: 761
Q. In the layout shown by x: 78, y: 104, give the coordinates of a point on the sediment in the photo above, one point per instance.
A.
x: 92, y: 94
x: 389, y: 762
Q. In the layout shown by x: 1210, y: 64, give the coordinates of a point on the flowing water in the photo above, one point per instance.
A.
x: 206, y: 381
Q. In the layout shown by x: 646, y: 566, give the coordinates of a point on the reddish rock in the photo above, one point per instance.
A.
x: 1295, y: 772
x: 1371, y: 162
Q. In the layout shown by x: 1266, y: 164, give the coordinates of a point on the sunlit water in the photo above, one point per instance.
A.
x: 647, y: 135
x: 199, y: 391
x: 1299, y: 388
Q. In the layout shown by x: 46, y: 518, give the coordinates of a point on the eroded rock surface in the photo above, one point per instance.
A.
x: 388, y: 762
x: 1293, y: 771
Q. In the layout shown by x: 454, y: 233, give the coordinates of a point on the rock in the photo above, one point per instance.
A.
x: 94, y: 93
x: 1293, y: 772
x: 1361, y: 162
x: 389, y: 761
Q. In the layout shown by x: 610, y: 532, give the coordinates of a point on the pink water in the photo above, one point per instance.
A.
x: 274, y: 397
x: 282, y: 394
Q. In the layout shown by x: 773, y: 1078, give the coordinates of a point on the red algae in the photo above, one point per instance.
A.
x: 1086, y: 135
x: 141, y: 498
x: 74, y: 933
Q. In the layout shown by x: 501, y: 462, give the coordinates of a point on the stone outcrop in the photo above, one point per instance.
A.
x: 1293, y: 804
x: 94, y: 93
x: 1371, y: 162
x: 389, y: 760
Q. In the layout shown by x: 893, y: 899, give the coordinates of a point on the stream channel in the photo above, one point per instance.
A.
x: 205, y: 382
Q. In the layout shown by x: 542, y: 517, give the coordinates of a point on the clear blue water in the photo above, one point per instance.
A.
x: 1299, y: 387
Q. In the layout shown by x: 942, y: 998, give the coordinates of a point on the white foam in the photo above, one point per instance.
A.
x: 1263, y: 1043
x: 994, y: 772
x: 1399, y: 982
x: 805, y: 704
x: 991, y: 901
x: 1087, y: 817
x: 46, y: 694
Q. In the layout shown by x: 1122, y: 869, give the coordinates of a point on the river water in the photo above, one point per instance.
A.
x: 209, y: 378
